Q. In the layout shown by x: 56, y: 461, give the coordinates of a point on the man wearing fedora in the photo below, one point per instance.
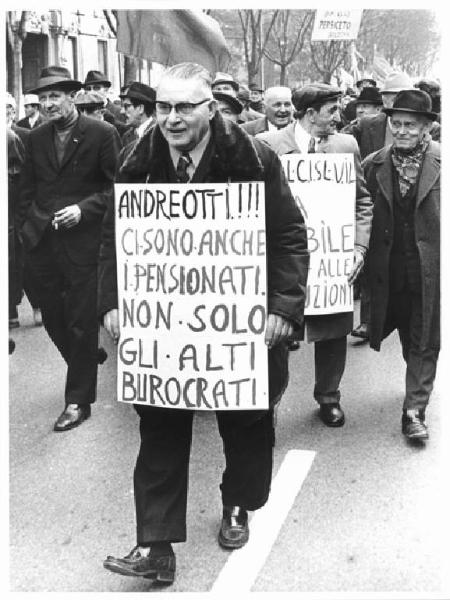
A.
x: 317, y: 114
x: 373, y: 133
x: 33, y: 117
x: 66, y: 184
x: 229, y: 107
x: 367, y: 104
x: 96, y: 81
x: 404, y: 251
x: 138, y: 107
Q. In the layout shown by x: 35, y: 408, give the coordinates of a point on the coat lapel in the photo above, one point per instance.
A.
x: 428, y: 177
x: 384, y: 178
x: 48, y: 143
x: 75, y: 140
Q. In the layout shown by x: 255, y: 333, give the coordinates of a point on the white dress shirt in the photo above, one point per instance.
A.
x: 195, y: 154
x: 302, y: 138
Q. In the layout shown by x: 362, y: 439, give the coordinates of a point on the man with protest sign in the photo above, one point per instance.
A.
x: 66, y: 184
x: 317, y: 112
x: 404, y: 252
x: 193, y: 143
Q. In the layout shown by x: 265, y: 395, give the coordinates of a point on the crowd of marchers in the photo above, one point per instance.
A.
x: 74, y: 144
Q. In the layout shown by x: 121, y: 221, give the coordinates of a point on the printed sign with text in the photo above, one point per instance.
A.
x: 191, y: 269
x: 324, y: 187
x: 336, y: 24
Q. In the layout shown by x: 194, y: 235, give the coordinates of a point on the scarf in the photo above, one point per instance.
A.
x: 408, y: 165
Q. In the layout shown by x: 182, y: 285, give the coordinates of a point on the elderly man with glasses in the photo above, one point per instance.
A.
x: 193, y: 143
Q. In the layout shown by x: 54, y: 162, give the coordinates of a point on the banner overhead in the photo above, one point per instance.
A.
x: 337, y: 24
x: 191, y: 264
x: 173, y: 36
x: 324, y: 187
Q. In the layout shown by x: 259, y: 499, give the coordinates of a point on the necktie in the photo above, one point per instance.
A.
x: 183, y: 162
x: 312, y: 145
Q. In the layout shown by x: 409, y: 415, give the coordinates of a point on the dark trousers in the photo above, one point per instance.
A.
x: 329, y: 361
x: 404, y: 313
x: 162, y: 468
x: 67, y: 296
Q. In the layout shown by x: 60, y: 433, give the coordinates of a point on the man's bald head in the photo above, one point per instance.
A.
x: 279, y: 109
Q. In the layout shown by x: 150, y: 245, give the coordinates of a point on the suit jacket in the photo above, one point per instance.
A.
x: 283, y: 142
x: 85, y: 177
x: 26, y: 123
x: 379, y: 172
x: 256, y: 126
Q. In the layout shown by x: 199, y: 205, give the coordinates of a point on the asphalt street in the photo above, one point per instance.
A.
x: 369, y: 516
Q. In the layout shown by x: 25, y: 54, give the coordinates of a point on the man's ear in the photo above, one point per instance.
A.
x: 212, y: 107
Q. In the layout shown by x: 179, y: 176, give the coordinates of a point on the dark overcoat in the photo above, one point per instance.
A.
x: 378, y: 169
x: 235, y: 157
x: 85, y: 177
x: 326, y: 327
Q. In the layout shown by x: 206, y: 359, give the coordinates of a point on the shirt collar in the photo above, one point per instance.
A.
x: 195, y: 154
x: 143, y: 127
x: 302, y: 137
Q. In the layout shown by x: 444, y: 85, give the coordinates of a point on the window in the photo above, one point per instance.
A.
x: 102, y: 47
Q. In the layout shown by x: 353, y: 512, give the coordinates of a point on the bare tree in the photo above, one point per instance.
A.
x: 255, y: 38
x: 408, y: 39
x: 287, y: 38
x: 328, y: 56
x: 16, y: 34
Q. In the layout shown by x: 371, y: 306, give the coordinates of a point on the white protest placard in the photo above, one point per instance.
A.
x: 191, y: 270
x: 324, y: 187
x: 339, y: 24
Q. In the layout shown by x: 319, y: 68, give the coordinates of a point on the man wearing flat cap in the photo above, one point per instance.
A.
x: 317, y: 114
x: 138, y: 107
x: 404, y: 252
x: 96, y: 81
x: 66, y: 184
x: 90, y: 104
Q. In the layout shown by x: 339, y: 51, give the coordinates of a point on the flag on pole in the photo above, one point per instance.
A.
x: 173, y: 36
x: 380, y: 68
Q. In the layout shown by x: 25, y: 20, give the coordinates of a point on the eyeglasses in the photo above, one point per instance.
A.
x: 182, y: 108
x: 126, y: 105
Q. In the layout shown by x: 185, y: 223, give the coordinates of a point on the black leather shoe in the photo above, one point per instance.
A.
x: 414, y: 428
x: 332, y: 415
x: 72, y: 416
x: 362, y: 331
x: 140, y: 563
x: 234, y: 530
x: 294, y: 345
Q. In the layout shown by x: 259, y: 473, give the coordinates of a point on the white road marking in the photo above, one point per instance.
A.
x: 243, y: 565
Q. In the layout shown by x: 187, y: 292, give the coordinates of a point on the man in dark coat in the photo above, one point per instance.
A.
x: 192, y: 142
x: 404, y: 250
x: 314, y: 131
x: 138, y: 107
x: 66, y: 184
